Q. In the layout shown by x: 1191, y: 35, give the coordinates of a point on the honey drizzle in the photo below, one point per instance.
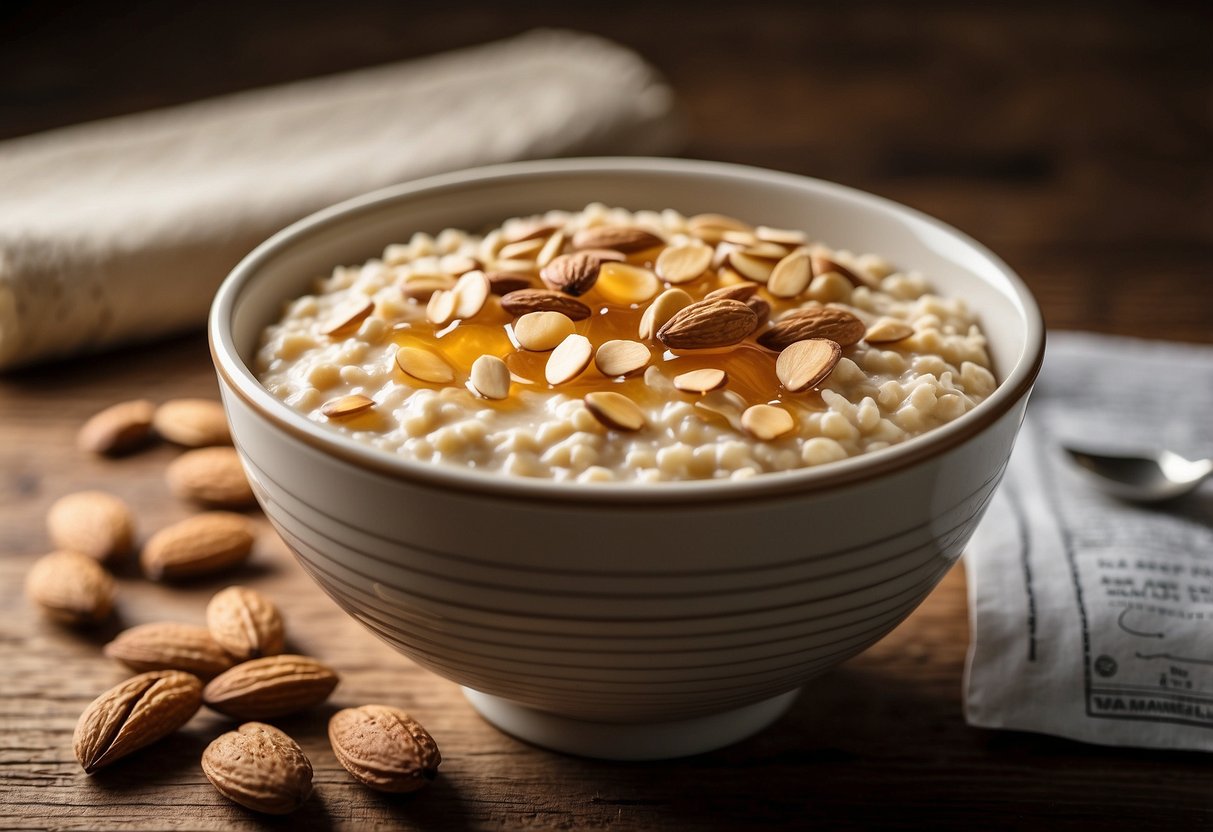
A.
x: 750, y: 367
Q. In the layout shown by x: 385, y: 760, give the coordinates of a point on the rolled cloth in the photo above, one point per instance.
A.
x: 121, y: 230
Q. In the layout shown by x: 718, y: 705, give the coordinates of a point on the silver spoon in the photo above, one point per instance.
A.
x: 1143, y: 479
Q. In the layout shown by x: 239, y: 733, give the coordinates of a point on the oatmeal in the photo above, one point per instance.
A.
x: 607, y: 345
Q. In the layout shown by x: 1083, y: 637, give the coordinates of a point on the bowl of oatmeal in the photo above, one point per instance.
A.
x: 630, y: 449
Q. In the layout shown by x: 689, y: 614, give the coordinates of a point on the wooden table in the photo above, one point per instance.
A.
x: 1076, y: 143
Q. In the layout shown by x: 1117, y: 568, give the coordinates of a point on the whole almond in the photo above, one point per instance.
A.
x: 211, y: 476
x: 806, y: 364
x: 118, y: 429
x: 92, y: 523
x: 384, y: 748
x: 194, y: 423
x: 133, y: 715
x: 738, y: 291
x: 245, y: 623
x: 573, y: 274
x: 618, y: 237
x: 544, y: 300
x: 270, y: 687
x: 259, y: 767
x: 713, y: 322
x: 71, y: 588
x: 502, y: 283
x: 200, y: 545
x: 168, y: 645
x: 837, y: 325
x: 761, y: 308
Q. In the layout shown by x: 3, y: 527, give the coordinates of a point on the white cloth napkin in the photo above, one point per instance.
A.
x: 1093, y: 618
x: 121, y: 230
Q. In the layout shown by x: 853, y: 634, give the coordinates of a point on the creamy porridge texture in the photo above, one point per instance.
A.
x: 608, y: 345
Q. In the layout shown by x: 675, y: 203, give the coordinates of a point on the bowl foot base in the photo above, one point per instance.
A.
x: 622, y: 741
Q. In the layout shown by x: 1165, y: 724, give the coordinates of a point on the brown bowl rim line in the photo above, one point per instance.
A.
x: 238, y: 378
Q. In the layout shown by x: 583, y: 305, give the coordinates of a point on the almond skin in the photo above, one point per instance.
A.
x: 71, y: 588
x: 384, y: 748
x: 270, y: 687
x: 713, y: 322
x: 133, y: 715
x: 836, y: 325
x: 168, y: 645
x: 92, y: 523
x: 201, y: 545
x: 259, y: 767
x: 573, y: 274
x: 119, y: 429
x: 194, y: 423
x: 502, y: 283
x: 245, y: 623
x: 212, y: 477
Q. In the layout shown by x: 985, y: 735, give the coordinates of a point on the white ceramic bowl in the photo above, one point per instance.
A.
x: 624, y: 620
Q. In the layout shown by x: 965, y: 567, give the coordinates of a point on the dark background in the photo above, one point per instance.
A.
x: 1074, y: 139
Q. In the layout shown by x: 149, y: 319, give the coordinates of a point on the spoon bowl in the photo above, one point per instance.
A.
x: 1146, y: 478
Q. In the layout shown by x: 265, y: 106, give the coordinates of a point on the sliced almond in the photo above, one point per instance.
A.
x: 525, y: 266
x: 682, y: 264
x: 615, y: 410
x: 502, y: 283
x: 753, y: 268
x: 766, y: 251
x: 423, y: 288
x: 542, y: 331
x: 740, y: 238
x: 888, y: 331
x: 701, y: 381
x: 805, y: 364
x: 606, y: 255
x: 521, y: 250
x: 823, y: 264
x: 574, y: 274
x: 738, y: 291
x: 346, y: 406
x: 791, y: 275
x: 440, y: 310
x: 618, y: 237
x: 837, y: 325
x: 457, y: 264
x: 471, y: 291
x: 782, y: 236
x: 625, y: 285
x: 550, y: 249
x: 663, y: 307
x: 491, y: 377
x: 767, y: 422
x: 568, y: 360
x: 621, y: 358
x: 712, y: 227
x: 531, y: 231
x: 348, y: 316
x: 424, y: 365
x: 544, y: 300
x: 714, y: 322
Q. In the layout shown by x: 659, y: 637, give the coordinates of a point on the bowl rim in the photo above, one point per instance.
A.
x: 238, y: 378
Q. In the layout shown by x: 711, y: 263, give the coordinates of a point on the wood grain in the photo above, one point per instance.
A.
x: 1074, y: 141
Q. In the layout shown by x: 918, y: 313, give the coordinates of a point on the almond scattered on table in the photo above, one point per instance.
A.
x: 133, y: 715
x: 245, y: 623
x: 259, y: 767
x: 270, y: 687
x: 204, y: 544
x: 384, y: 748
x: 170, y: 645
x: 211, y: 476
x: 71, y: 588
x: 194, y: 423
x: 118, y: 429
x: 93, y: 523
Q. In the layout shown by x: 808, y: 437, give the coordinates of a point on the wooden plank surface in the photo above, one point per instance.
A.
x: 1074, y: 141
